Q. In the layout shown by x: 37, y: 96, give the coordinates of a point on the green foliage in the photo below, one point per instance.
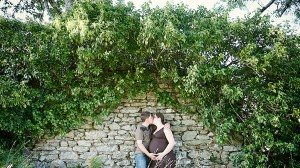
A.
x: 33, y: 8
x: 96, y: 162
x: 241, y: 77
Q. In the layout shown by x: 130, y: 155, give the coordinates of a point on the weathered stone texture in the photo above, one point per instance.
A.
x: 113, y: 140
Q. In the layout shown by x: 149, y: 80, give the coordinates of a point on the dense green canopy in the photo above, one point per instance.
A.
x: 241, y: 77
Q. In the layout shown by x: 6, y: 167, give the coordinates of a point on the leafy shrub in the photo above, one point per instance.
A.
x: 241, y: 77
x: 96, y: 162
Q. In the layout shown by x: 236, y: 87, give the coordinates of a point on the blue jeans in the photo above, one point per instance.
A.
x: 141, y: 160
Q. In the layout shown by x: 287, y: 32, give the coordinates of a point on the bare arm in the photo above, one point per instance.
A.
x: 167, y: 126
x: 144, y: 150
x: 171, y: 140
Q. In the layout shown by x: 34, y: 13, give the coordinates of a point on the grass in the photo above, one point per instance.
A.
x: 14, y: 158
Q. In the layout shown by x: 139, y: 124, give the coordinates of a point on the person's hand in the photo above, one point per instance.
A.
x: 167, y: 126
x: 151, y: 156
x: 160, y: 156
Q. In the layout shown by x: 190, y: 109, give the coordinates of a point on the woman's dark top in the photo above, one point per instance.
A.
x: 158, y: 144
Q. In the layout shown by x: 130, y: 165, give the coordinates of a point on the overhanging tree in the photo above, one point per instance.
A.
x: 241, y: 77
x: 282, y: 6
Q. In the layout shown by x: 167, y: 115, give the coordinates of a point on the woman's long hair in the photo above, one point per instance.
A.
x: 161, y: 116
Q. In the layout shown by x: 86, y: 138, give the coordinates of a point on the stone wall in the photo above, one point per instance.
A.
x: 113, y: 140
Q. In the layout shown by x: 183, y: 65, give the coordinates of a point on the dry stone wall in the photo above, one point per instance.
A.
x: 113, y: 140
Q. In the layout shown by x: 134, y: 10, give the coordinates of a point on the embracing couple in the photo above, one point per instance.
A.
x: 154, y: 142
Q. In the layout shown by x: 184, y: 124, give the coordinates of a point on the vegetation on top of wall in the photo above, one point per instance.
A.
x: 241, y: 77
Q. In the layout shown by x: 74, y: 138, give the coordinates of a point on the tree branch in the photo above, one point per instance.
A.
x: 286, y: 6
x: 267, y: 6
x: 68, y: 4
x: 47, y: 8
x: 54, y: 6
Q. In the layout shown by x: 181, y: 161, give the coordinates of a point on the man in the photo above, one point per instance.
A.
x: 143, y: 137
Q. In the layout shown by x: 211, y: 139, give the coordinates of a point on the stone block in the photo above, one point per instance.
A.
x: 188, y: 122
x: 64, y: 143
x: 138, y: 104
x: 114, y: 126
x: 107, y: 148
x: 130, y: 110
x: 99, y: 127
x: 109, y: 162
x: 84, y: 143
x: 203, y: 132
x: 231, y: 148
x: 151, y: 96
x: 54, y: 152
x: 50, y: 141
x: 176, y: 123
x: 194, y: 128
x: 118, y: 155
x: 193, y: 154
x: 116, y: 120
x: 123, y: 163
x: 189, y: 135
x: 74, y: 163
x: 57, y: 164
x: 68, y: 156
x: 178, y: 128
x: 72, y: 143
x: 46, y: 148
x: 35, y: 155
x: 128, y: 120
x: 95, y: 135
x: 225, y: 157
x: 216, y: 147
x: 70, y: 135
x: 202, y: 137
x: 88, y: 155
x: 211, y: 134
x: 121, y: 132
x: 112, y: 133
x: 79, y: 135
x: 196, y: 142
x: 205, y: 154
x: 151, y: 104
x: 127, y: 148
x: 115, y: 142
x: 185, y: 162
x: 140, y: 97
x: 168, y: 111
x: 150, y: 109
x: 80, y: 149
x: 86, y: 126
x: 48, y: 158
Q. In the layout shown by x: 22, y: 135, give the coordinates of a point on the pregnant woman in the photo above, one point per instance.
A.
x: 161, y: 144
